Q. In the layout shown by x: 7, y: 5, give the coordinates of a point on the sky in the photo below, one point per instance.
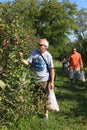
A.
x: 5, y: 0
x: 80, y: 3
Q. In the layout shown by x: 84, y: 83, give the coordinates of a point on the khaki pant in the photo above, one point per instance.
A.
x: 42, y: 87
x: 74, y: 73
x: 45, y: 86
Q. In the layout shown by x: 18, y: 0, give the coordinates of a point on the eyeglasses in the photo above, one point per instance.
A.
x: 41, y: 45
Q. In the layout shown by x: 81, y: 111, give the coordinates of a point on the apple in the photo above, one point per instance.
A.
x: 20, y: 54
x: 4, y: 75
x: 16, y: 42
x: 7, y: 42
x: 1, y: 51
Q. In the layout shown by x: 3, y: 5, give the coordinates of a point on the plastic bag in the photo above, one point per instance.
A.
x: 52, y: 104
x: 82, y: 76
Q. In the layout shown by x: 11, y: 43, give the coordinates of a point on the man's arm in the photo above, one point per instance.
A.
x: 52, y: 74
x: 81, y: 62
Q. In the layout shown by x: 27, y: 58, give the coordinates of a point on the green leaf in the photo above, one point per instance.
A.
x: 0, y: 98
x: 0, y: 68
x: 2, y: 84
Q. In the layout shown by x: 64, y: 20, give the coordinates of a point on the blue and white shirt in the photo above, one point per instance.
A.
x: 34, y: 58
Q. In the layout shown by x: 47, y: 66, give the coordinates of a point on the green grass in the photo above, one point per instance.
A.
x: 72, y: 103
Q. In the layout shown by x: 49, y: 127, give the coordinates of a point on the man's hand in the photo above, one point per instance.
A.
x: 51, y: 85
x: 25, y: 62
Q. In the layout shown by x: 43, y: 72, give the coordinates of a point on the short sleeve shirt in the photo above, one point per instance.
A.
x: 75, y: 60
x: 44, y: 74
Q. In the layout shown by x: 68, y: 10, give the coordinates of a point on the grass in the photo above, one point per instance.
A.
x: 72, y: 103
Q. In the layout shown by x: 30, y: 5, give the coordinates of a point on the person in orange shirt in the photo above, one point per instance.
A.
x: 75, y: 63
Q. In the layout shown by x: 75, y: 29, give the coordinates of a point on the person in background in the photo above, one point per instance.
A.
x: 44, y: 76
x: 64, y: 63
x: 75, y: 63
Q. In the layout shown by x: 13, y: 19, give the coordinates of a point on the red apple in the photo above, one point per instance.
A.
x: 16, y: 42
x: 4, y: 75
x: 7, y: 42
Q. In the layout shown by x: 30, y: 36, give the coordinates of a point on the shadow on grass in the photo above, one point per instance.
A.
x: 77, y: 95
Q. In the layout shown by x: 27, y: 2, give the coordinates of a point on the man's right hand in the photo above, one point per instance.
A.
x: 25, y: 62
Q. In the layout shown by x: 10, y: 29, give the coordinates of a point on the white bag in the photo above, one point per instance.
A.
x: 52, y: 104
x: 82, y: 76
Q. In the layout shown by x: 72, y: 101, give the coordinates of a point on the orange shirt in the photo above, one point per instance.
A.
x: 75, y: 60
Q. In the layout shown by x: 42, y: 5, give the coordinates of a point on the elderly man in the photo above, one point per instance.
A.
x: 42, y: 63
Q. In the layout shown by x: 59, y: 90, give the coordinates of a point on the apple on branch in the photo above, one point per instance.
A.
x: 20, y: 54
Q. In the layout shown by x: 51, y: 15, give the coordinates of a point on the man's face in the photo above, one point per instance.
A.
x: 74, y: 50
x: 41, y: 47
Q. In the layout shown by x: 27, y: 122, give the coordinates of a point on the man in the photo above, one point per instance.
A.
x: 38, y: 62
x: 74, y: 65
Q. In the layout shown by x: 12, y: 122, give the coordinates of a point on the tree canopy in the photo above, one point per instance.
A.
x: 47, y: 18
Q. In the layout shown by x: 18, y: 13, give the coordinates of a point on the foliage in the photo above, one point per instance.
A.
x: 81, y: 20
x: 21, y: 25
x: 17, y: 96
x: 54, y: 23
x: 72, y: 103
x: 81, y: 33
